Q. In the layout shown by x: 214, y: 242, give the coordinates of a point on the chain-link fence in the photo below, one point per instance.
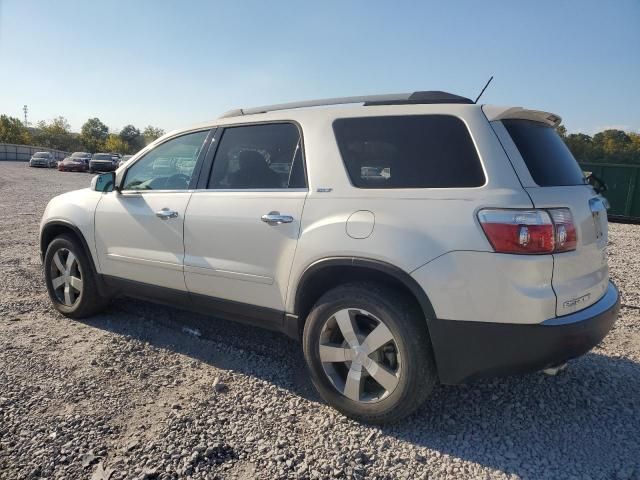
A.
x: 22, y: 153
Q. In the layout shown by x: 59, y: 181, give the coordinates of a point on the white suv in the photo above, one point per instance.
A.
x: 405, y: 239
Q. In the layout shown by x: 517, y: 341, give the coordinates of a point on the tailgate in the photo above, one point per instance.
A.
x: 580, y: 277
x: 552, y: 178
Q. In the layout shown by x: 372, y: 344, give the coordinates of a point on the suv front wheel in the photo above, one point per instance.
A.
x: 369, y: 352
x: 71, y: 282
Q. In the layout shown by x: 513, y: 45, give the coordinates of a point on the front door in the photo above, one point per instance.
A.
x: 241, y: 231
x: 139, y: 229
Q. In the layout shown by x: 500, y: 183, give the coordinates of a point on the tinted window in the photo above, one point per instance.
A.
x: 418, y: 151
x: 102, y: 156
x: 169, y: 166
x: 259, y: 156
x: 547, y: 157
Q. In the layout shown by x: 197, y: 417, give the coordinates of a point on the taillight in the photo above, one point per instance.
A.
x: 528, y: 231
x: 566, y: 238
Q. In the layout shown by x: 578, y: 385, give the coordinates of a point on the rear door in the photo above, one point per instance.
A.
x: 553, y: 179
x: 242, y: 228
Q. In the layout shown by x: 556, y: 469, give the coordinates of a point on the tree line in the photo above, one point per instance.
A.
x: 94, y: 135
x: 607, y: 146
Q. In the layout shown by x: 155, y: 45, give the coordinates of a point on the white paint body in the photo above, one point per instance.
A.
x: 217, y: 246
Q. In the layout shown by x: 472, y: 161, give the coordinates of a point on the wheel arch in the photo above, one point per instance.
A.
x: 330, y: 272
x: 55, y: 228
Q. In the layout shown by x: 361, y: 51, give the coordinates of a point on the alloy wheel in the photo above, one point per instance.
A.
x: 66, y: 277
x: 359, y: 355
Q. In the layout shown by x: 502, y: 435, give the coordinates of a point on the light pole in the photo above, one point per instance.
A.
x: 25, y: 109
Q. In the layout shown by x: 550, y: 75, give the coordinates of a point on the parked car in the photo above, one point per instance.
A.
x: 414, y: 239
x: 103, y: 162
x: 42, y: 159
x: 76, y: 162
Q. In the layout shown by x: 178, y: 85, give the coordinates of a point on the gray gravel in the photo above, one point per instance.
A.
x: 132, y: 393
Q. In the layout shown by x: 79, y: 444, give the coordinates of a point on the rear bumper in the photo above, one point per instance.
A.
x: 466, y: 351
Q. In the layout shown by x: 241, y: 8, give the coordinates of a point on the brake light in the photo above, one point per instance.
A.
x: 532, y: 231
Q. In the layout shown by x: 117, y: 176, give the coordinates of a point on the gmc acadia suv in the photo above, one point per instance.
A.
x: 406, y: 240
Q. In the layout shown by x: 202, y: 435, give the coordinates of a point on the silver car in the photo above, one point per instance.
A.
x: 43, y: 159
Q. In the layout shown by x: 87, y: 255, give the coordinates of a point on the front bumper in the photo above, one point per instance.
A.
x: 467, y: 351
x: 102, y: 167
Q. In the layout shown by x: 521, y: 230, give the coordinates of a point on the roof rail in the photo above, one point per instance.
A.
x: 388, y: 99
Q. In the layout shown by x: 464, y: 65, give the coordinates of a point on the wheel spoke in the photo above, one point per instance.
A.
x: 57, y: 282
x: 76, y: 283
x: 347, y: 327
x: 58, y: 262
x: 353, y: 385
x: 67, y: 294
x: 331, y: 353
x: 378, y: 337
x: 384, y: 377
x: 71, y: 259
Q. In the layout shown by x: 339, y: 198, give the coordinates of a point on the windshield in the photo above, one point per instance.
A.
x: 548, y: 159
x: 81, y: 155
x: 41, y: 155
x: 103, y: 156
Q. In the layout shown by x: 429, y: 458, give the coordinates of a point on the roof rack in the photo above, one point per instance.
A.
x: 427, y: 97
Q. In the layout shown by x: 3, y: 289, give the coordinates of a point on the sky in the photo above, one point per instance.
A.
x: 171, y: 64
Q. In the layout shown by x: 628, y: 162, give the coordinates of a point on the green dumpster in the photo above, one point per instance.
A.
x: 623, y: 188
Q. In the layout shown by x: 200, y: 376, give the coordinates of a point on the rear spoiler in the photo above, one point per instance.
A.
x: 496, y: 112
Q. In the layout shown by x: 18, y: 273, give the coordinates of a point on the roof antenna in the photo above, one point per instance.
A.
x: 485, y: 87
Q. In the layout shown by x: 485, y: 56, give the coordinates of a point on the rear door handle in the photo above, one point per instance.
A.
x: 274, y: 218
x: 166, y: 213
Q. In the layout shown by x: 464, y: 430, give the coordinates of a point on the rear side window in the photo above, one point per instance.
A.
x: 416, y: 151
x: 548, y: 159
x: 259, y: 157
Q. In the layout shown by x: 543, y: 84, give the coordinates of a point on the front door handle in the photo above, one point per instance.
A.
x: 166, y: 213
x: 274, y: 218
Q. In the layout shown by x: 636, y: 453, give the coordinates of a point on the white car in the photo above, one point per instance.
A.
x: 407, y: 240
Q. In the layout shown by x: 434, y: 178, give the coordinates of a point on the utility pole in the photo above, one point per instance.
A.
x: 25, y: 109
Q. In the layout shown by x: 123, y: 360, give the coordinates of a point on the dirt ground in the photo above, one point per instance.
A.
x: 131, y: 393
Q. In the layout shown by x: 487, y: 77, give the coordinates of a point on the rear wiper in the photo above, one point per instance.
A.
x: 597, y: 183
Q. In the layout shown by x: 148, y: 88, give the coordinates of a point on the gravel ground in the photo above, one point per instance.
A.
x: 132, y: 393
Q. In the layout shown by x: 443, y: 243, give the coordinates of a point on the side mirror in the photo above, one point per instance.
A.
x: 105, y: 182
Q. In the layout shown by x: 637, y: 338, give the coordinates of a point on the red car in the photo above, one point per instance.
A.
x: 77, y: 162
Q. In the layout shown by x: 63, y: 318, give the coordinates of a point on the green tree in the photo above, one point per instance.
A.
x: 152, y: 133
x: 13, y: 130
x: 131, y: 136
x: 54, y: 134
x: 94, y: 134
x: 115, y: 143
x: 562, y: 131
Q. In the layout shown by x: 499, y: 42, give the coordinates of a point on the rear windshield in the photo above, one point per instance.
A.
x: 548, y: 159
x: 81, y: 155
x: 413, y: 151
x: 41, y: 155
x: 102, y: 156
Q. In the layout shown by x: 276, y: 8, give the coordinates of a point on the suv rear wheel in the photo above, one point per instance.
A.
x: 70, y: 280
x: 369, y: 352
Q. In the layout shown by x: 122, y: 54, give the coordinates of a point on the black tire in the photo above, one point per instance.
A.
x: 405, y: 322
x: 89, y: 301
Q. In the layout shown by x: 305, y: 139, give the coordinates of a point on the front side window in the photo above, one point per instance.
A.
x: 413, y: 151
x: 259, y: 157
x: 169, y: 166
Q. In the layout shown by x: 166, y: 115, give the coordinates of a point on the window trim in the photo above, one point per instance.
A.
x: 462, y: 120
x: 207, y: 170
x: 197, y: 169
